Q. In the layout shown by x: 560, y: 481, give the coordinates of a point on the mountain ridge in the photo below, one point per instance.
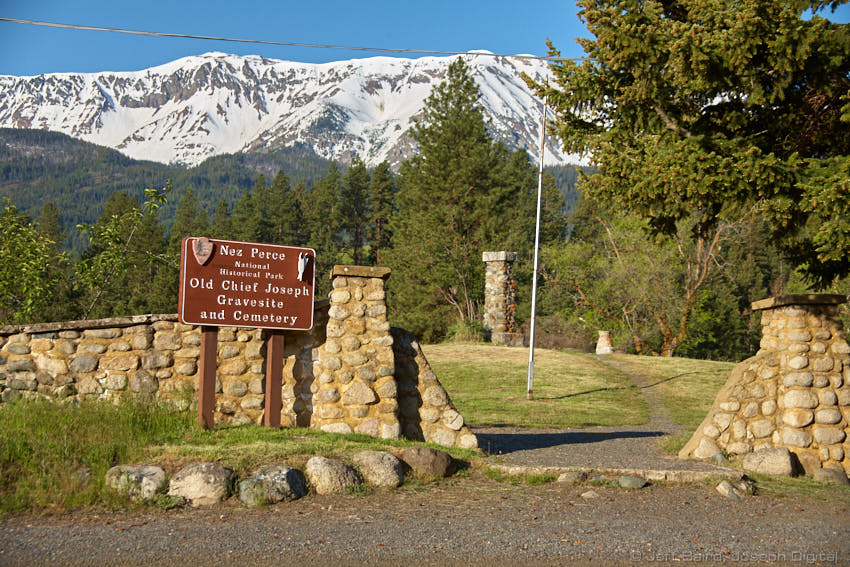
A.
x: 190, y: 109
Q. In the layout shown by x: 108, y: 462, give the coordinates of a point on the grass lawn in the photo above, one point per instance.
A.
x: 488, y: 383
x: 687, y: 386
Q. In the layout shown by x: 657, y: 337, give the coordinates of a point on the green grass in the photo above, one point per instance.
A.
x: 44, y: 447
x: 47, y: 449
x: 488, y: 386
x: 247, y: 447
x: 687, y: 386
x: 529, y: 479
x: 800, y: 487
x: 673, y: 443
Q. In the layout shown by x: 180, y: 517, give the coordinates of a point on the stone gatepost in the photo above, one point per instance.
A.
x: 500, y: 298
x: 604, y: 344
x: 355, y: 388
x: 794, y: 393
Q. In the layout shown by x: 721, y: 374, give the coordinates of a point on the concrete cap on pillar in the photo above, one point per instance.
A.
x: 799, y: 299
x: 499, y: 256
x: 361, y: 271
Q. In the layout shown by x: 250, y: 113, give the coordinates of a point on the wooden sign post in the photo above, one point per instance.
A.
x: 227, y: 283
x: 206, y: 377
x: 274, y: 370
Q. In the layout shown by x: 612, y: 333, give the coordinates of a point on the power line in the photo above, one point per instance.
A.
x: 281, y: 43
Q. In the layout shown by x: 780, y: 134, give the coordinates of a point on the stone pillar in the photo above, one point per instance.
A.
x: 604, y: 345
x: 794, y: 393
x: 500, y: 298
x: 356, y: 389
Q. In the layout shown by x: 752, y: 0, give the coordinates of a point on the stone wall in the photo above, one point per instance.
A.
x: 794, y: 393
x: 426, y: 412
x: 500, y: 298
x: 340, y: 377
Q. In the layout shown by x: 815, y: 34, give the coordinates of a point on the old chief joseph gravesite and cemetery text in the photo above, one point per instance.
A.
x: 246, y: 284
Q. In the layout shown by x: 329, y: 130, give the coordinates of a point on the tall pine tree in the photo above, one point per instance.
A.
x: 453, y: 204
x: 382, y: 191
x: 353, y: 209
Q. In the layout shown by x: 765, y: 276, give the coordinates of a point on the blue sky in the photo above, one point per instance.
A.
x: 502, y: 26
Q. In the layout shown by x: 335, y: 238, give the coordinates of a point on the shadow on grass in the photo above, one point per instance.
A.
x: 502, y: 443
x: 670, y: 378
x: 614, y: 388
x: 576, y: 394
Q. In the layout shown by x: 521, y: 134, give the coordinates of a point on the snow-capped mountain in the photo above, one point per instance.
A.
x: 196, y: 107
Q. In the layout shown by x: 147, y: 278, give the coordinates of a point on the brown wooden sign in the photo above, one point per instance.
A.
x: 227, y: 283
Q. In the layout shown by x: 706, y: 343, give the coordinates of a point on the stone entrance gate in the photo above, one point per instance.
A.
x: 794, y: 393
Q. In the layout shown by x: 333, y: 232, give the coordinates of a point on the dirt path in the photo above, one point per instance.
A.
x: 659, y: 417
x: 473, y: 521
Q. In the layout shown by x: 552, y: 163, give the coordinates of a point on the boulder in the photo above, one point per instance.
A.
x: 831, y: 476
x: 379, y: 468
x: 428, y: 462
x: 630, y: 481
x: 774, y: 461
x: 735, y: 490
x: 328, y: 476
x: 141, y: 482
x: 272, y: 484
x: 201, y: 484
x: 573, y: 477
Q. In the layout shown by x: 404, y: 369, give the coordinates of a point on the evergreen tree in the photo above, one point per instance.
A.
x: 382, y: 192
x: 553, y: 213
x: 353, y: 209
x: 222, y: 225
x: 188, y: 221
x: 116, y: 275
x: 50, y: 225
x: 60, y: 270
x: 712, y: 108
x: 320, y: 211
x: 455, y: 201
x: 247, y: 221
x: 284, y: 213
x: 301, y: 194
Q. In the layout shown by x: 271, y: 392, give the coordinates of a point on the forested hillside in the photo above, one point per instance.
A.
x: 37, y: 167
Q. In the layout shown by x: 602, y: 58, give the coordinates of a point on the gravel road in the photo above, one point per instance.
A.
x: 469, y: 521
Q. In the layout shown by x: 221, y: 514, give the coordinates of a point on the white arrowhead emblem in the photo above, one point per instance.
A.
x: 202, y: 248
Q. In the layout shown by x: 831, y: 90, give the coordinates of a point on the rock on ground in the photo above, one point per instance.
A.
x: 141, y: 482
x: 328, y: 476
x: 272, y: 484
x: 379, y: 468
x: 428, y: 462
x: 201, y: 484
x: 573, y: 477
x: 630, y: 481
x: 734, y: 490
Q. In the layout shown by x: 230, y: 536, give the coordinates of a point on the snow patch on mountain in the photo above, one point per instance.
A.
x: 199, y: 106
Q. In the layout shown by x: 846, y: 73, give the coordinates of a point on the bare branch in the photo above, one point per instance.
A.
x: 670, y: 123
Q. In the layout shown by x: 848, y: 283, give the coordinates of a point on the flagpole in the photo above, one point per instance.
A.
x: 530, y: 388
